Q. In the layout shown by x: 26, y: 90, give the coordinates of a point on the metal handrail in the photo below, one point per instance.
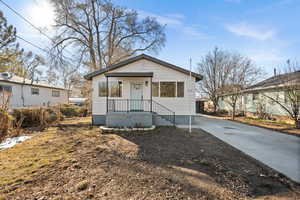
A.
x: 141, y: 105
x: 170, y: 115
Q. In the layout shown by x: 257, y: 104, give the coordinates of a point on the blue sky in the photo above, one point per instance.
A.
x: 265, y: 30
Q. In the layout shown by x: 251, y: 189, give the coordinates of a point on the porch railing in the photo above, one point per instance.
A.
x: 140, y: 105
x: 129, y: 105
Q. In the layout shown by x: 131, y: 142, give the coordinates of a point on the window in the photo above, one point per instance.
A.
x: 255, y: 96
x: 167, y: 89
x: 5, y: 88
x: 55, y: 93
x: 180, y: 89
x: 35, y: 91
x: 115, y: 89
x: 102, y: 89
x: 155, y: 89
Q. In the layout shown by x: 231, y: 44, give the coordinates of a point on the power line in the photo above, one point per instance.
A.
x: 26, y: 20
x: 34, y: 45
x: 31, y: 24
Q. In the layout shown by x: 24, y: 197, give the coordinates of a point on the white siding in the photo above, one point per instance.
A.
x: 44, y: 97
x: 250, y: 105
x: 180, y: 105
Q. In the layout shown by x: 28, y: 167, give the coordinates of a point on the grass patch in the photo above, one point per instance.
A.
x: 267, y: 121
x: 21, y: 163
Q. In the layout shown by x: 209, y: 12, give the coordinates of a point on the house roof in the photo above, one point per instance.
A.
x: 278, y: 80
x: 20, y: 80
x: 139, y: 57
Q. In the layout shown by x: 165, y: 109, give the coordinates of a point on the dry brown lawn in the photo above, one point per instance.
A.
x: 76, y: 161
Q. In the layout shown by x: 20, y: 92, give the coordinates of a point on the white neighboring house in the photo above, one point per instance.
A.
x: 25, y: 93
x: 253, y: 99
x: 143, y: 91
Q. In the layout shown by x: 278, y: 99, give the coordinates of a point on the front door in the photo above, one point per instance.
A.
x: 136, y: 96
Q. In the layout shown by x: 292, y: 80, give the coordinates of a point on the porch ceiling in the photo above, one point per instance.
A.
x: 129, y: 74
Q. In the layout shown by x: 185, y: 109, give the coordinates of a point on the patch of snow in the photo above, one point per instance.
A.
x: 10, y: 142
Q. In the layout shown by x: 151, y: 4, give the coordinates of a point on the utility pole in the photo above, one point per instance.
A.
x: 190, y: 97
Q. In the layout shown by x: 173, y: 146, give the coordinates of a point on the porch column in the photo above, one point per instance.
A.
x: 106, y: 94
x: 151, y: 94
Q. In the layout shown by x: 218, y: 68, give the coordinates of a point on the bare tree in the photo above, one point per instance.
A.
x: 30, y: 63
x: 215, y: 68
x: 103, y: 33
x: 289, y: 82
x: 4, y: 113
x: 242, y: 72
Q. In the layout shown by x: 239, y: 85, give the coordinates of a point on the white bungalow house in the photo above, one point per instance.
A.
x: 25, y: 93
x: 142, y: 91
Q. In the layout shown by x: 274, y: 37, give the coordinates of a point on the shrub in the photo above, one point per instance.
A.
x: 36, y: 117
x: 5, y: 117
x: 5, y: 123
x: 73, y: 111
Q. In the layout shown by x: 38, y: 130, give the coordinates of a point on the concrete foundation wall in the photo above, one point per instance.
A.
x: 98, y: 119
x: 129, y: 119
x: 132, y: 118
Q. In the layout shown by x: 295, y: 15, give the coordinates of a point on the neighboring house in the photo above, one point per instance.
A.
x: 254, y: 98
x: 143, y: 91
x: 25, y: 93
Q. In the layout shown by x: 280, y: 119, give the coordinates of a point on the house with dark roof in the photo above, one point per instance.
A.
x: 255, y: 97
x: 142, y: 91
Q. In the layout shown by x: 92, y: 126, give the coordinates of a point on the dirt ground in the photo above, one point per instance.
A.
x: 166, y: 163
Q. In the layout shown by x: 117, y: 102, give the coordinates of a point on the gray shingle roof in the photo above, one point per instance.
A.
x: 20, y: 80
x: 281, y: 79
x: 136, y: 58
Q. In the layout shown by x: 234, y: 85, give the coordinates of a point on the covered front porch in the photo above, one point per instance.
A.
x: 133, y: 106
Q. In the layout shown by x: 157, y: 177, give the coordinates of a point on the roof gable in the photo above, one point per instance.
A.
x: 137, y: 58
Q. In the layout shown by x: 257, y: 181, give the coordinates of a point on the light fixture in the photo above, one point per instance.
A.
x: 146, y: 83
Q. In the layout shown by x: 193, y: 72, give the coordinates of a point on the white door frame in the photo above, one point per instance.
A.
x: 135, y: 99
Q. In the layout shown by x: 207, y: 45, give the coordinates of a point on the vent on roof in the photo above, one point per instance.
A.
x: 6, y: 75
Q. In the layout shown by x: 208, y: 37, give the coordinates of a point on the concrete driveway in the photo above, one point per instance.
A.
x: 279, y: 151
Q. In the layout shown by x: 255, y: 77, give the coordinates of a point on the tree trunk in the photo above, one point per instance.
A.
x: 215, y: 108
x: 233, y: 113
x: 297, y: 123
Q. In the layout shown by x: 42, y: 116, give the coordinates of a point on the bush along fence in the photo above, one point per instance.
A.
x: 42, y: 117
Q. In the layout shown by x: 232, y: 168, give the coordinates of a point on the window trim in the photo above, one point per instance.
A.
x: 177, y: 89
x: 56, y: 91
x: 119, y: 91
x: 35, y: 88
x: 176, y: 83
x: 109, y: 90
x: 175, y: 92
